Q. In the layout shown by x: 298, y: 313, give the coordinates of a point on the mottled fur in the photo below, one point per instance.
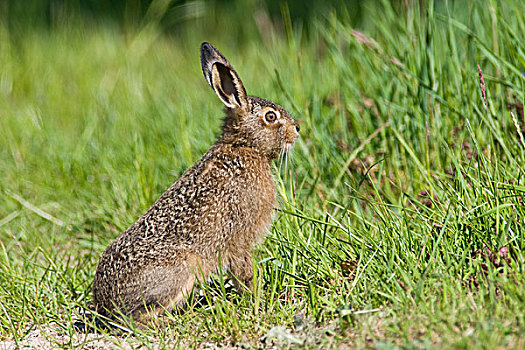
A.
x: 211, y: 217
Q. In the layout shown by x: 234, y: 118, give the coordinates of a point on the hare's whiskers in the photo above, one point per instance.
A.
x: 281, y: 156
x: 290, y: 157
x: 286, y: 160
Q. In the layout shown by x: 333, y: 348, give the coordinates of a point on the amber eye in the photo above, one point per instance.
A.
x: 270, y: 117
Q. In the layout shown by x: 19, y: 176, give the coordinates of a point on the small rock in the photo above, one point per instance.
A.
x: 282, y: 337
x: 300, y: 322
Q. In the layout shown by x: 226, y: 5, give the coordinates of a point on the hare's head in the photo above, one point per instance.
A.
x: 250, y: 121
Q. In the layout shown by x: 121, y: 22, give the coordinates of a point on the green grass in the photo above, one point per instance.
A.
x: 402, y: 211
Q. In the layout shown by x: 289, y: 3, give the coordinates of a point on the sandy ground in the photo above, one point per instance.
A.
x: 54, y: 336
x: 51, y: 336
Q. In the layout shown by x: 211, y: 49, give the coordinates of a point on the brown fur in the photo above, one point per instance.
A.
x: 218, y: 209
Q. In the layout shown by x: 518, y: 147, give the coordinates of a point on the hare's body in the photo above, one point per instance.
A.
x: 208, y: 212
x: 210, y: 218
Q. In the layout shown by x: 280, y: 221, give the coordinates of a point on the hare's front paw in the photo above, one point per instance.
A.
x: 241, y: 271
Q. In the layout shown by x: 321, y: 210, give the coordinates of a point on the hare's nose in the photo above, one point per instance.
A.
x: 297, y: 127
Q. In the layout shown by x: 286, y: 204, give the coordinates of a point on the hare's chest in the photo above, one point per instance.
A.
x: 255, y: 193
x: 252, y: 204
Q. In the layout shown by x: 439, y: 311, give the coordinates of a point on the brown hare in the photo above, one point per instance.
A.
x: 210, y: 218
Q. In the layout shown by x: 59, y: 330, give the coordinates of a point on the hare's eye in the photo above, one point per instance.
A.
x: 270, y: 117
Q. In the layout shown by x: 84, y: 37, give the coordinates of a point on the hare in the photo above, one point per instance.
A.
x: 207, y: 220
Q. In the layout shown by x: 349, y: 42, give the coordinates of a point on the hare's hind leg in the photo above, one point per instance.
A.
x: 167, y: 287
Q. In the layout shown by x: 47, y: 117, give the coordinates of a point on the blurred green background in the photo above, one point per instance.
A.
x: 171, y: 13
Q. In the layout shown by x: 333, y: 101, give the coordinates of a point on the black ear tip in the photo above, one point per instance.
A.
x: 206, y: 48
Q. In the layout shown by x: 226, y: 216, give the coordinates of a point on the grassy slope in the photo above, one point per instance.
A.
x: 401, y: 193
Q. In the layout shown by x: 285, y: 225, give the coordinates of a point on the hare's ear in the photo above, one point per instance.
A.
x: 222, y: 78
